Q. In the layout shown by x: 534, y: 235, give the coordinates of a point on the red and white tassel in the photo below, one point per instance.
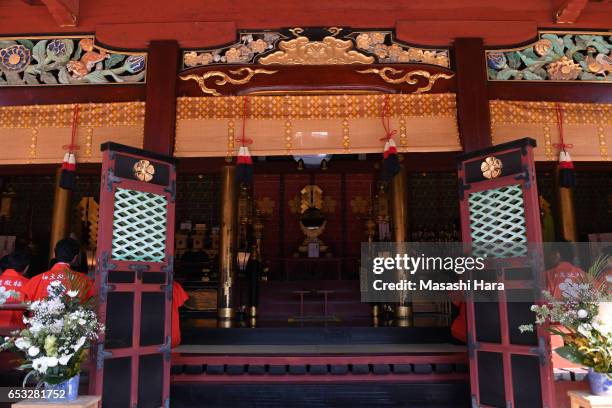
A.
x: 391, y: 164
x: 567, y: 174
x: 67, y: 176
x: 244, y: 164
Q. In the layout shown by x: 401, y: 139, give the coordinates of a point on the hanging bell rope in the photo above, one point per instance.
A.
x: 391, y: 164
x: 567, y: 174
x: 67, y: 175
x: 244, y: 162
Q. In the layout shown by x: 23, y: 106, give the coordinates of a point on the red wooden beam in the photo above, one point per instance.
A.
x: 472, y: 99
x: 160, y: 114
x: 64, y: 12
x: 570, y: 11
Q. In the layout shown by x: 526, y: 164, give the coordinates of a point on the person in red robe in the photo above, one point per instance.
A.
x: 563, y: 256
x: 66, y: 254
x: 13, y: 279
x: 459, y: 325
x: 179, y: 297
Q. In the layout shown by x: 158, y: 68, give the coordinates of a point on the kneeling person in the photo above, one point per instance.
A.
x: 66, y: 253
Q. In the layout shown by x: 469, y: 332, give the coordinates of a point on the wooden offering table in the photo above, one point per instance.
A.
x: 84, y: 401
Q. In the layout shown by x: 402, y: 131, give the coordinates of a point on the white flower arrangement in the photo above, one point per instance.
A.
x: 57, y: 334
x: 587, y: 333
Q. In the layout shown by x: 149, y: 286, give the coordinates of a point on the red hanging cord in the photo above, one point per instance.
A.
x: 385, y: 120
x: 245, y: 109
x: 75, y: 122
x: 561, y: 145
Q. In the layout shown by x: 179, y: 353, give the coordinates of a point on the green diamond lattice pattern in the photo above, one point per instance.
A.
x: 139, y: 226
x: 497, y: 222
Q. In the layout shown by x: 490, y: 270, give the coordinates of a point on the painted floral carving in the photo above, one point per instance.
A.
x: 65, y: 61
x: 253, y: 46
x: 243, y: 52
x: 556, y: 57
x: 15, y: 58
x: 563, y: 69
x: 382, y: 46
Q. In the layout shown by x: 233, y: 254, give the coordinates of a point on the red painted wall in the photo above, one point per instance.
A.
x: 344, y: 231
x: 197, y: 23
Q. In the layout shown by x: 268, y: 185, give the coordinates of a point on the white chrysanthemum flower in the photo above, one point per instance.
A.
x: 51, y: 361
x: 79, y: 344
x: 63, y: 360
x: 22, y: 343
x: 33, y: 351
x: 582, y: 314
x: 40, y: 365
x: 72, y: 293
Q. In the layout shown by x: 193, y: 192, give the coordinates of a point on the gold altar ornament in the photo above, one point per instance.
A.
x: 224, y: 78
x: 311, y: 217
x: 144, y: 170
x: 409, y: 77
x: 491, y: 167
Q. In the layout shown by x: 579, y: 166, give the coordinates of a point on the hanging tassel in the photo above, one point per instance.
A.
x: 391, y: 164
x: 244, y: 162
x: 67, y: 176
x: 567, y: 174
x: 244, y: 166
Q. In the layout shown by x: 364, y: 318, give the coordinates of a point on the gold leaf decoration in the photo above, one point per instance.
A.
x: 330, y: 51
x: 410, y: 77
x: 265, y: 205
x: 491, y: 167
x: 329, y: 205
x: 294, y: 205
x: 360, y: 205
x: 224, y: 78
x: 144, y: 170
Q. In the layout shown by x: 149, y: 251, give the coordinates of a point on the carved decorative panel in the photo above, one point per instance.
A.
x: 316, y: 46
x: 73, y: 60
x: 556, y: 56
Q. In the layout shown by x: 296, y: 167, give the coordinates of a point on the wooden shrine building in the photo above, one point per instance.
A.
x: 164, y: 96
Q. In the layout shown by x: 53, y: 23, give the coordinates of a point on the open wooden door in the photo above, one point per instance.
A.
x: 500, y: 216
x: 131, y: 363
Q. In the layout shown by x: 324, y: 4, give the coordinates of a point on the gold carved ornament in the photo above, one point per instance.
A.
x: 411, y: 77
x: 302, y: 51
x: 491, y: 167
x: 224, y: 78
x: 144, y: 170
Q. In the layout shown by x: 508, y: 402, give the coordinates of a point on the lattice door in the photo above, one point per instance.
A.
x: 131, y: 364
x: 500, y: 217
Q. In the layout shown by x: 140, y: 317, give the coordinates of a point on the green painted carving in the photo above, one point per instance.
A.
x: 139, y: 226
x: 66, y: 61
x: 556, y: 56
